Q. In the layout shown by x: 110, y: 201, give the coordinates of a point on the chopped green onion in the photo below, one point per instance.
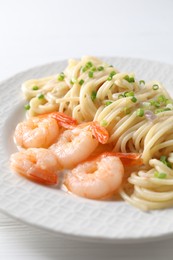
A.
x: 120, y: 96
x: 89, y: 64
x: 27, y: 107
x: 160, y: 175
x: 134, y: 99
x: 162, y: 99
x: 129, y: 79
x: 154, y: 103
x: 93, y: 95
x: 103, y: 122
x: 100, y: 68
x: 155, y: 87
x: 140, y: 112
x: 84, y: 69
x: 111, y: 75
x: 142, y: 82
x: 35, y: 87
x: 81, y: 82
x: 162, y: 110
x: 127, y: 110
x: 164, y: 160
x: 107, y: 103
x: 90, y: 74
x: 129, y: 94
x: 71, y: 82
x: 93, y: 69
x: 61, y: 76
x: 40, y: 96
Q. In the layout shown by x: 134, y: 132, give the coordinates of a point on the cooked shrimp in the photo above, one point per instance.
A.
x: 37, y: 164
x: 96, y: 179
x: 41, y: 131
x: 74, y: 146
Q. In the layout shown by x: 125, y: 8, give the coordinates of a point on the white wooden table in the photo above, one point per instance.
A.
x: 40, y: 31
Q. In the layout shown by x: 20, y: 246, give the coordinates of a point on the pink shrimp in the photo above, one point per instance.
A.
x: 97, y: 178
x: 76, y: 145
x: 41, y: 131
x: 37, y: 164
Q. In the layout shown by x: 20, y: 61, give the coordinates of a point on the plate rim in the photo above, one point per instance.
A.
x: 85, y: 237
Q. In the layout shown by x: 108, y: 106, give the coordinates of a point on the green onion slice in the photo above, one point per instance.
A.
x: 81, y: 82
x: 129, y: 79
x: 134, y: 99
x: 107, y: 103
x: 160, y: 175
x: 140, y: 112
x: 61, y: 76
x: 100, y: 68
x: 103, y: 122
x: 90, y: 74
x: 155, y: 87
x: 40, y: 96
x: 142, y: 82
x: 27, y: 107
x: 127, y: 110
x: 164, y: 160
x: 93, y: 95
x: 35, y: 88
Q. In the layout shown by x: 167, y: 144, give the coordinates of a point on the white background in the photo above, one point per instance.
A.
x: 36, y: 32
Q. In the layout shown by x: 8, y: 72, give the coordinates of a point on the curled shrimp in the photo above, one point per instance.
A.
x: 96, y: 179
x: 41, y: 131
x: 75, y: 145
x: 37, y: 164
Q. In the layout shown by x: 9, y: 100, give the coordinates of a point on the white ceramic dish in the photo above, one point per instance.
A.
x: 57, y: 211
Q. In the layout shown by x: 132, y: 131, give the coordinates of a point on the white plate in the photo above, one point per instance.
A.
x: 57, y: 211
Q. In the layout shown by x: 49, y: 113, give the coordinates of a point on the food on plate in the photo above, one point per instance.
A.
x: 106, y: 133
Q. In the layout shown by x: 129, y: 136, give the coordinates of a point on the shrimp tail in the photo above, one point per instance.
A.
x: 64, y: 120
x: 42, y: 175
x: 128, y: 159
x: 99, y: 132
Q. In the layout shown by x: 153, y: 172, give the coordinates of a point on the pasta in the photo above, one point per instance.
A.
x: 137, y: 115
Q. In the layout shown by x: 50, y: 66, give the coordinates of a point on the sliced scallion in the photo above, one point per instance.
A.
x: 111, y: 75
x: 127, y: 110
x: 103, y: 122
x: 90, y: 74
x: 129, y: 79
x: 160, y: 110
x: 35, y: 88
x: 140, y: 112
x: 155, y: 87
x: 81, y: 82
x: 93, y: 95
x: 134, y: 99
x: 160, y: 175
x: 129, y: 94
x: 40, y: 96
x: 164, y: 160
x: 107, y: 103
x: 100, y: 68
x: 27, y: 107
x: 61, y: 76
x: 142, y: 82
